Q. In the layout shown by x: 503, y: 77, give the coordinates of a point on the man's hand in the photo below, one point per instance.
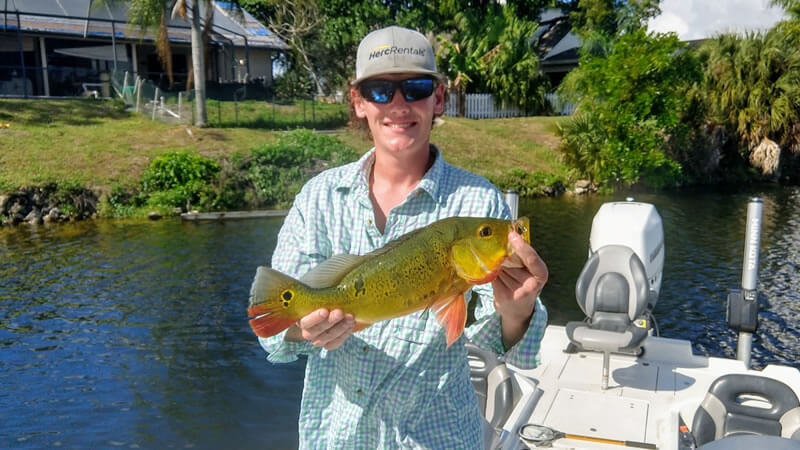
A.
x: 516, y: 289
x: 323, y: 328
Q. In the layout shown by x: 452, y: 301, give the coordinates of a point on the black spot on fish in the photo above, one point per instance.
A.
x: 287, y: 295
x: 359, y: 285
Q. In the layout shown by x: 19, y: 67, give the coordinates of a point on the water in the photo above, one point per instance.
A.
x: 134, y: 335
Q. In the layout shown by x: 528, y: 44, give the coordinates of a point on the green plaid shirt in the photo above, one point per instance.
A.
x: 393, y: 384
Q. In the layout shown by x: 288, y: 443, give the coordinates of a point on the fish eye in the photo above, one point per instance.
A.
x: 519, y: 229
x: 485, y: 231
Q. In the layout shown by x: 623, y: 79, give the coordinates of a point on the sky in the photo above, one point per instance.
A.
x: 697, y: 19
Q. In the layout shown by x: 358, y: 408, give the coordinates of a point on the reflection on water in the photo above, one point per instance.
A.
x: 133, y: 334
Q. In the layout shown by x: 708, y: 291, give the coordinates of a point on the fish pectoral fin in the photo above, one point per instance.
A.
x: 452, y: 316
x: 271, y: 324
x: 361, y: 325
x: 331, y: 271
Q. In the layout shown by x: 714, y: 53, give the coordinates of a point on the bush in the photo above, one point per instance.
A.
x: 279, y: 170
x: 528, y: 184
x: 180, y: 179
x: 633, y: 99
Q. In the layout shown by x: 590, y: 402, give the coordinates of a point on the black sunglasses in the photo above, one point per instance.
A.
x: 382, y: 91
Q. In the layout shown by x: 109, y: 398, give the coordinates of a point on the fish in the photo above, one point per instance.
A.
x: 430, y: 268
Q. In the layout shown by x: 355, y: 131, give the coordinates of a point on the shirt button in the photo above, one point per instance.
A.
x: 369, y: 222
x: 366, y: 349
x: 360, y: 392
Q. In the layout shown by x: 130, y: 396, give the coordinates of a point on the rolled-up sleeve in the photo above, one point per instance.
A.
x: 486, y: 331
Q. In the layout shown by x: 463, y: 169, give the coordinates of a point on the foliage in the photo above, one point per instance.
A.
x: 753, y: 86
x: 632, y: 100
x: 294, y: 83
x: 180, y: 179
x: 792, y: 7
x: 612, y: 17
x: 492, y: 52
x: 279, y: 170
x: 528, y: 184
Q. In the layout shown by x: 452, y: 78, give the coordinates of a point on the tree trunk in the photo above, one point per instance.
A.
x: 198, y: 67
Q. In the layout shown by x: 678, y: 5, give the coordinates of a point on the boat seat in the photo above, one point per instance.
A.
x: 740, y: 404
x: 612, y: 291
x: 492, y: 383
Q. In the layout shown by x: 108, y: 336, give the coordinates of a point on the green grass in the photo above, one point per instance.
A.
x: 258, y: 114
x: 98, y: 145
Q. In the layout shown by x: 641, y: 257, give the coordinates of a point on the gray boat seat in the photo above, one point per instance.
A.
x: 613, y: 292
x: 740, y: 404
x: 492, y: 383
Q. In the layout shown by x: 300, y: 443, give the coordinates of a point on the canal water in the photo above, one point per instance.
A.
x: 134, y: 334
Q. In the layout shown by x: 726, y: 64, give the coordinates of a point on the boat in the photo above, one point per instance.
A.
x: 611, y: 381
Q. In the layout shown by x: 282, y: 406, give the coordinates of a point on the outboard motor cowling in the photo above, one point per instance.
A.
x: 619, y: 284
x: 637, y: 226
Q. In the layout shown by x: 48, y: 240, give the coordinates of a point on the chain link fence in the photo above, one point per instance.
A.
x: 247, y: 105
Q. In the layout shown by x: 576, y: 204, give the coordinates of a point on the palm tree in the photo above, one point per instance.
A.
x: 753, y: 87
x: 153, y: 14
x: 199, y: 35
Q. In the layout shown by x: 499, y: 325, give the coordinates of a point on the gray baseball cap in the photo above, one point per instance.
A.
x: 395, y: 50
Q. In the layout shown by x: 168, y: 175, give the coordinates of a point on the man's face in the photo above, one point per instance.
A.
x: 400, y: 125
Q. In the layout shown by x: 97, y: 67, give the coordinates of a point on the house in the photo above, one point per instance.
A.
x: 557, y: 46
x: 69, y: 47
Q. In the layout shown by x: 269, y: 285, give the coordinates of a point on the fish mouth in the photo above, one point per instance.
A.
x: 491, y: 274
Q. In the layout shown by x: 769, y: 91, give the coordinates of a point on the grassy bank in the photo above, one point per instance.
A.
x: 98, y: 145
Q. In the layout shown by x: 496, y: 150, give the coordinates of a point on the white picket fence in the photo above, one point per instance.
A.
x: 482, y: 106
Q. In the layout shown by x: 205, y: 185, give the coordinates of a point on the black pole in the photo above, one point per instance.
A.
x: 22, y: 56
x: 114, y: 44
x: 247, y: 57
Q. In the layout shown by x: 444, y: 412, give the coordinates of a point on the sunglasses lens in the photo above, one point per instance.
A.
x: 382, y: 91
x: 378, y: 91
x: 417, y: 89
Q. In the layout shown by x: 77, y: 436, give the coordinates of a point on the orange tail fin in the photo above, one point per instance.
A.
x: 452, y: 317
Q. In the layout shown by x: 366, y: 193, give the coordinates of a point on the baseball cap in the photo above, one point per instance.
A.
x: 395, y: 50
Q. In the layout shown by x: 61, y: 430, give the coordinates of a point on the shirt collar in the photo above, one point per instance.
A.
x: 358, y: 179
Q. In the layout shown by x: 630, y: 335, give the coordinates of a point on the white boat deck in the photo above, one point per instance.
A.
x: 643, y: 402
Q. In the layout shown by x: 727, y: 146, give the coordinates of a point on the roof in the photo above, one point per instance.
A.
x: 554, y: 42
x: 69, y: 17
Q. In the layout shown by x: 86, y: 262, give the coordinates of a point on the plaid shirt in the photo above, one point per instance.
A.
x: 393, y: 384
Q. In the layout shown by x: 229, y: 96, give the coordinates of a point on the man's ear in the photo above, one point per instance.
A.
x: 358, y: 103
x: 438, y: 107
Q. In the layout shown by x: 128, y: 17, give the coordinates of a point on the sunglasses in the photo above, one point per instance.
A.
x: 382, y: 91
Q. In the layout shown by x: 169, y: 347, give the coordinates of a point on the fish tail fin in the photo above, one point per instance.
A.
x: 272, y: 298
x: 452, y: 317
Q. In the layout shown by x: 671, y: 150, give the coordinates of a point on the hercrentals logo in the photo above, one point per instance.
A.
x: 384, y: 50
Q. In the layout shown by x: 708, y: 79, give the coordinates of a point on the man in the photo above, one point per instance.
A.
x: 395, y: 384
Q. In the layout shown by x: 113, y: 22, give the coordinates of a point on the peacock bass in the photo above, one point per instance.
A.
x: 431, y: 267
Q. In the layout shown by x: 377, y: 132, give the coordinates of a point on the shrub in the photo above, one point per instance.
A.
x: 279, y: 170
x: 180, y: 179
x: 633, y: 98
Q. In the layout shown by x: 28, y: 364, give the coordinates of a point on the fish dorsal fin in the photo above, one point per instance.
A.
x: 331, y: 271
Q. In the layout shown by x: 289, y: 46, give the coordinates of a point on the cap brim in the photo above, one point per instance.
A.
x: 397, y: 70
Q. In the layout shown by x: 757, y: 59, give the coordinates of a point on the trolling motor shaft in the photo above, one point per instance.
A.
x: 743, y: 304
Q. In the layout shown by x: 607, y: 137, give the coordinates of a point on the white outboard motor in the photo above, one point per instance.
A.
x: 637, y: 226
x: 619, y: 284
